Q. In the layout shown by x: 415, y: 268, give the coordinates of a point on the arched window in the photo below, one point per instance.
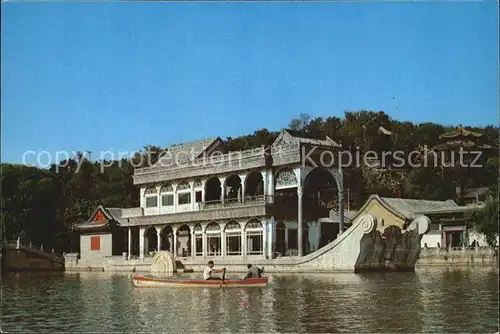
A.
x: 233, y: 238
x: 254, y: 232
x: 183, y: 193
x: 151, y: 196
x: 285, y: 179
x: 213, y: 232
x: 183, y: 186
x: 184, y: 241
x: 151, y: 245
x: 167, y: 195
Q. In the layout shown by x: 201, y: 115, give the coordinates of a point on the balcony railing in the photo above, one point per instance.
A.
x: 202, y: 161
x: 231, y: 202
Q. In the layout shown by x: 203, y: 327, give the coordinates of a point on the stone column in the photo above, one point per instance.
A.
x: 158, y: 239
x: 175, y: 241
x: 264, y: 239
x: 243, y: 178
x: 265, y: 191
x: 129, y: 243
x: 158, y: 199
x: 299, y: 221
x: 223, y: 189
x: 193, y: 243
x: 203, y: 184
x: 223, y: 243
x: 142, y: 199
x: 243, y: 241
x: 193, y: 196
x: 141, y: 242
x: 175, y: 199
x: 271, y: 238
x: 271, y: 187
x: 204, y: 243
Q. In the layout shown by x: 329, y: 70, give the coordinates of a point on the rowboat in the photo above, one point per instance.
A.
x: 156, y: 282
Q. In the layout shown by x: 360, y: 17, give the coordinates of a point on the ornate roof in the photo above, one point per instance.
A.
x: 457, y: 144
x: 306, y: 138
x: 189, y: 151
x: 410, y: 208
x: 102, y: 218
x: 348, y: 216
x: 460, y: 131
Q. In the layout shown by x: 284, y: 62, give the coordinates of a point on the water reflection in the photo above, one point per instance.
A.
x: 426, y: 301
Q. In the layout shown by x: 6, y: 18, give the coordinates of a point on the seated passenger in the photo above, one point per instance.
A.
x: 253, y: 272
x: 207, y: 273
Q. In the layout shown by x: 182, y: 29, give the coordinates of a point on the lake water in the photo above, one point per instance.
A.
x: 437, y: 300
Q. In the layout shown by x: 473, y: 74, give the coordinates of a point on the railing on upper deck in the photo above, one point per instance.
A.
x: 203, y: 161
x: 230, y: 202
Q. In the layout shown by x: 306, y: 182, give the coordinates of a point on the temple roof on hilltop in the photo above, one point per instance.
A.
x: 189, y: 151
x: 460, y: 132
x: 462, y: 138
x: 457, y: 144
x: 306, y: 138
x: 102, y: 218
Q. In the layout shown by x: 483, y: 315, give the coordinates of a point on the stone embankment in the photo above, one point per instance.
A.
x: 480, y: 256
x: 21, y: 257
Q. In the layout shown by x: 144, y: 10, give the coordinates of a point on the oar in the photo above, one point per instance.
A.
x: 223, y: 277
x: 233, y: 296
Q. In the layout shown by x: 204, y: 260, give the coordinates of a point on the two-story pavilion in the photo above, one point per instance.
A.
x: 201, y: 201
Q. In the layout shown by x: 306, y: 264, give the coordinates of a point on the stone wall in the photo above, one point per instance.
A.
x: 483, y: 256
x: 27, y: 259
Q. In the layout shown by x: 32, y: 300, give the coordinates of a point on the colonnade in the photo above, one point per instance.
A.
x: 252, y: 237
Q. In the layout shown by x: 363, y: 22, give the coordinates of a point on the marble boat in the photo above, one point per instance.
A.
x: 156, y: 282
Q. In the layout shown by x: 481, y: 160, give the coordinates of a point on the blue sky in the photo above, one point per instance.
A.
x: 118, y: 76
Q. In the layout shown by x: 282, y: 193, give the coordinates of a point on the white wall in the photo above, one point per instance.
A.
x: 105, y: 249
x: 432, y: 238
x: 184, y: 208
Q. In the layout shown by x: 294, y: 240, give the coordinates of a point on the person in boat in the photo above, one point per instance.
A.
x: 209, y: 270
x: 253, y: 272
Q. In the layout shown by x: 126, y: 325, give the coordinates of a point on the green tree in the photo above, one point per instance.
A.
x: 429, y: 183
x: 485, y: 220
x: 300, y: 123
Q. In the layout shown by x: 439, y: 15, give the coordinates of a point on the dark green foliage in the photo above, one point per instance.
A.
x: 486, y: 220
x: 429, y: 183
